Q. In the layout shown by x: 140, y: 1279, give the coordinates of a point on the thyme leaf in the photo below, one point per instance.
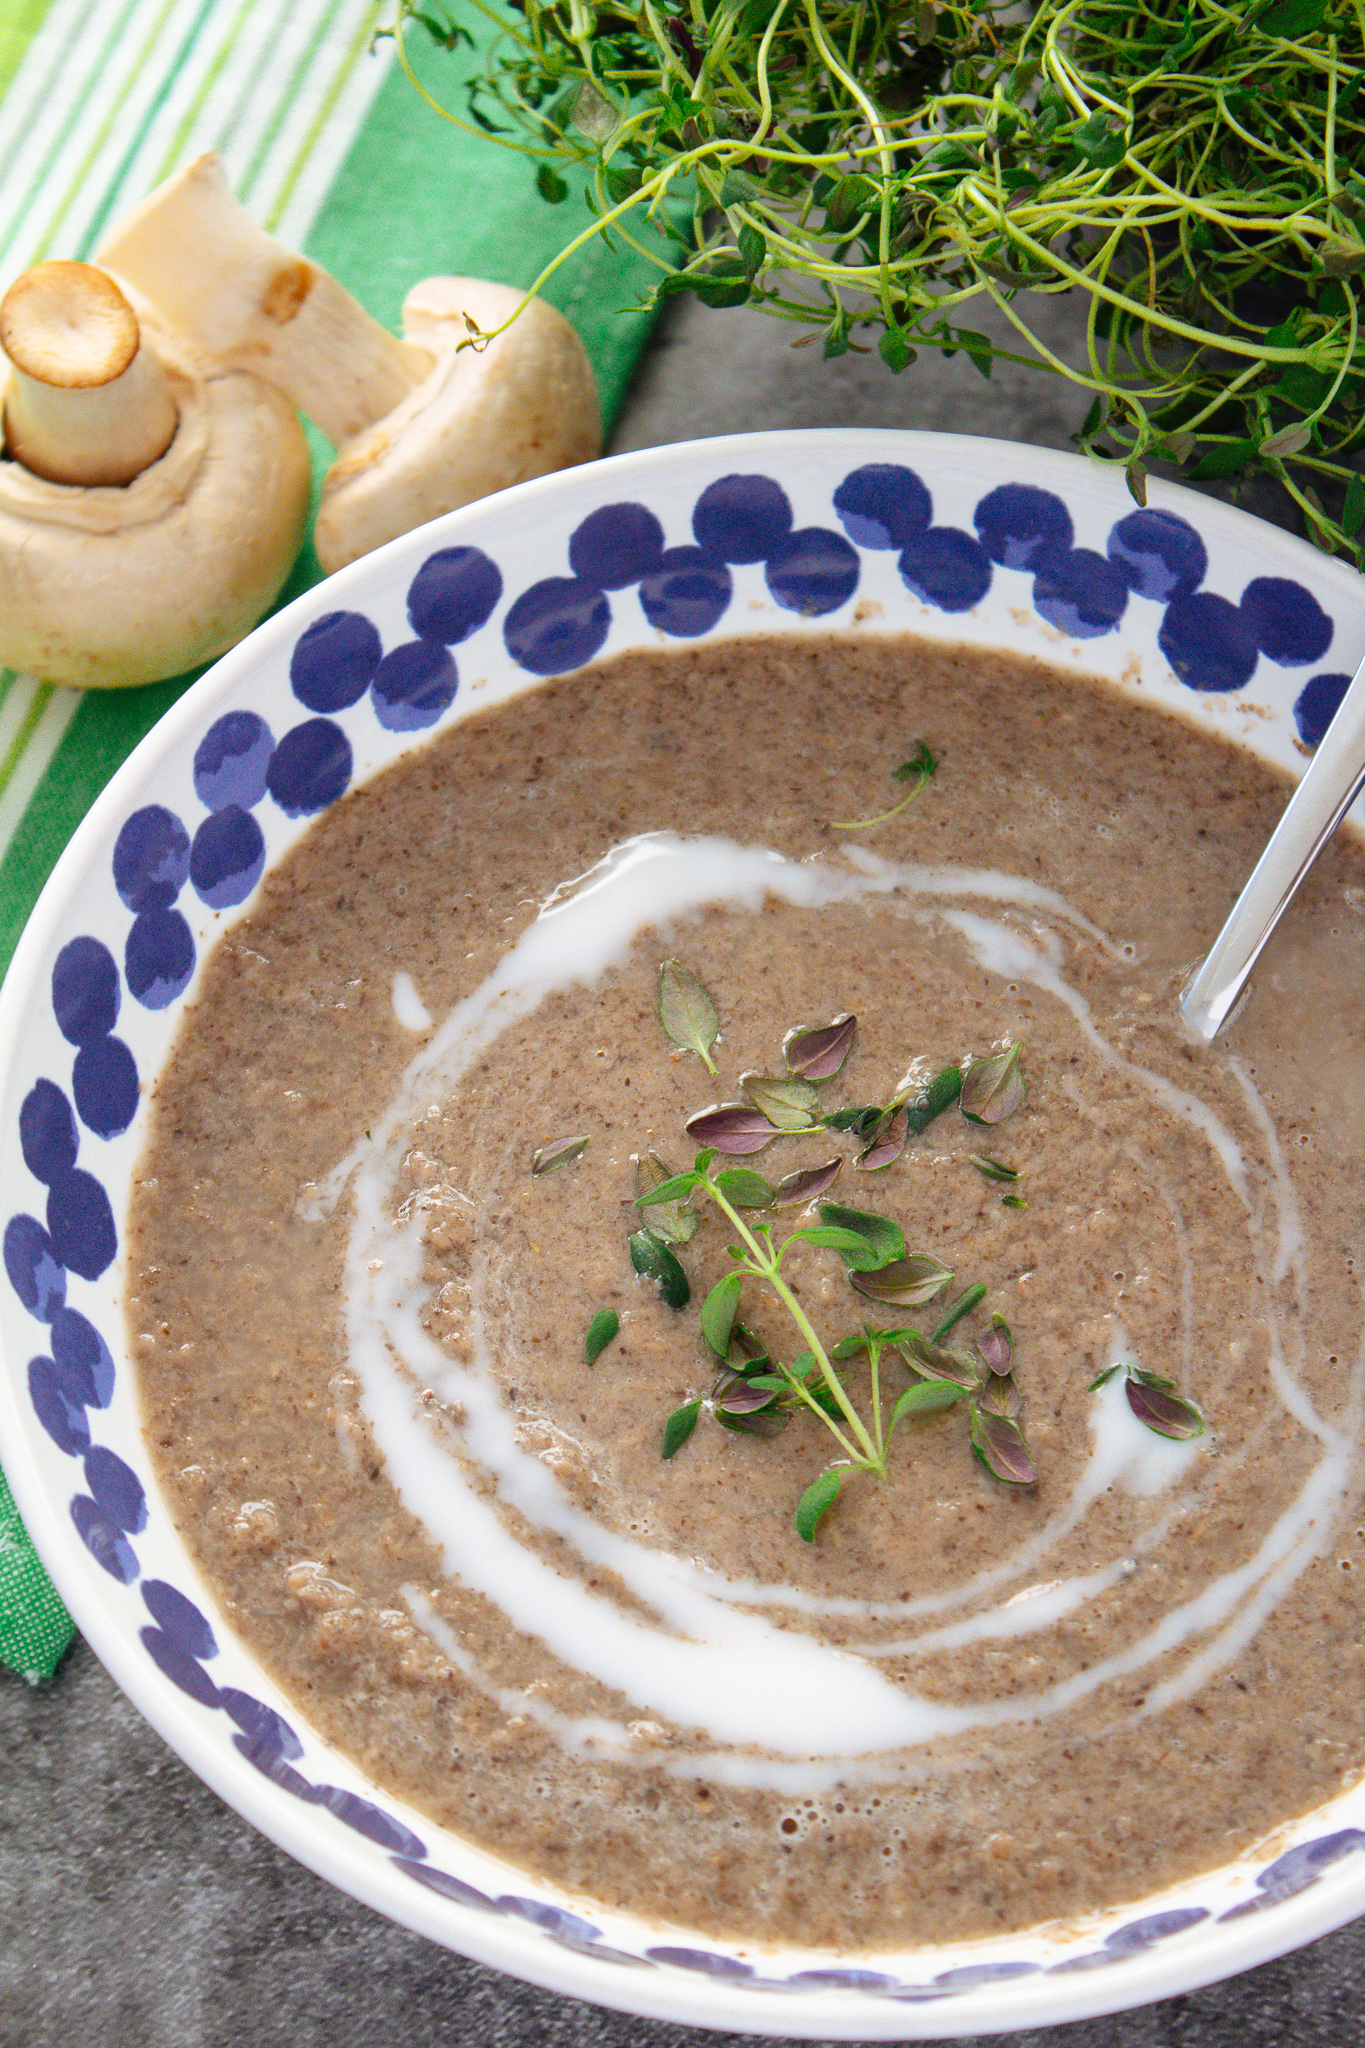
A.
x: 819, y: 1053
x: 687, y: 1012
x: 994, y: 1169
x: 934, y: 1362
x: 805, y: 1184
x: 558, y: 1153
x: 653, y: 1260
x: 818, y: 1498
x: 666, y: 1195
x: 744, y: 1397
x: 718, y: 1313
x: 599, y: 1334
x: 887, y: 1142
x: 789, y: 1102
x: 1000, y: 1395
x: 999, y: 1444
x: 963, y: 1306
x: 883, y: 1240
x: 992, y: 1089
x: 937, y: 1095
x: 679, y: 1427
x: 909, y: 1283
x: 859, y: 1118
x: 745, y: 1188
x: 731, y: 1127
x: 997, y: 1346
x: 1155, y: 1402
x: 927, y: 1397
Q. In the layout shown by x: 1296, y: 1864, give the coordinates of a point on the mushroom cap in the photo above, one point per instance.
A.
x: 482, y: 419
x: 111, y: 584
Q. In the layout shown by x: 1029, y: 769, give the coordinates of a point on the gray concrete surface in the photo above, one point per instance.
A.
x: 136, y: 1911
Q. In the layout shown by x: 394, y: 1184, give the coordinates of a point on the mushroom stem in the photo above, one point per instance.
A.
x: 244, y: 298
x: 86, y: 403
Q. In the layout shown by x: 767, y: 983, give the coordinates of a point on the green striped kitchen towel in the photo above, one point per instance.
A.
x: 328, y: 143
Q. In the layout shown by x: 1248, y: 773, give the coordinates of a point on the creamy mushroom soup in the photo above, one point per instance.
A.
x: 974, y: 1699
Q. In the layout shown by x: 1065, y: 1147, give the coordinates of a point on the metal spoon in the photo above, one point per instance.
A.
x: 1335, y: 778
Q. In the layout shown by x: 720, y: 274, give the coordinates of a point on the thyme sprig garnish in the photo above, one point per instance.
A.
x: 762, y: 1392
x: 918, y: 771
x: 757, y: 1392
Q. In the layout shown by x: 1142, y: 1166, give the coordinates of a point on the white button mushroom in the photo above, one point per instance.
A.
x: 86, y: 404
x: 150, y: 504
x: 421, y: 425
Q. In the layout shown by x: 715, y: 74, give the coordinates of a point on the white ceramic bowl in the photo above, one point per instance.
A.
x: 1229, y: 623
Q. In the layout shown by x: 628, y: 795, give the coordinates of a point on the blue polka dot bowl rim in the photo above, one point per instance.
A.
x: 1196, y: 608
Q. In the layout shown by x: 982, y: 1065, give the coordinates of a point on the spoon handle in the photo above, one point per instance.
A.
x: 1335, y: 777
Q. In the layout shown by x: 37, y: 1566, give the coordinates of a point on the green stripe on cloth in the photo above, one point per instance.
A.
x: 20, y: 22
x: 415, y: 197
x: 35, y: 1630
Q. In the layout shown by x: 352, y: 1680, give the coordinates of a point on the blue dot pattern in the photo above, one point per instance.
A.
x: 1208, y: 642
x: 176, y: 1616
x: 106, y: 1543
x: 883, y: 505
x: 227, y: 857
x: 105, y: 1086
x: 1161, y: 554
x: 812, y: 571
x: 616, y: 546
x: 85, y: 991
x: 116, y: 1490
x: 158, y: 958
x: 61, y: 1412
x: 1317, y: 705
x: 687, y: 593
x: 946, y: 568
x: 1081, y: 593
x: 48, y: 1137
x: 80, y: 1224
x: 557, y: 623
x: 1287, y: 621
x: 414, y: 686
x: 742, y: 518
x: 310, y: 768
x: 334, y: 661
x: 453, y: 593
x: 1022, y: 527
x: 231, y: 760
x: 82, y: 1358
x: 151, y: 859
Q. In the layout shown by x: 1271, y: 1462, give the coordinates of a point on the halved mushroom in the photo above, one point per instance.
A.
x: 150, y: 504
x: 421, y: 425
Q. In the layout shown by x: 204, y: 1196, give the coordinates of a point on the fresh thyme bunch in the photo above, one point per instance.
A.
x: 868, y: 168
